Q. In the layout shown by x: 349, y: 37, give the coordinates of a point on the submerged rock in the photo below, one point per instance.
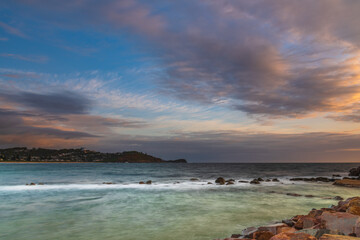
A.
x: 255, y: 181
x: 141, y: 182
x: 108, y: 183
x: 275, y: 180
x: 242, y: 181
x: 220, y: 181
x: 194, y: 179
x: 148, y: 182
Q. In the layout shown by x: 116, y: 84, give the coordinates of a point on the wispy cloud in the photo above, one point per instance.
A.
x: 29, y: 58
x: 12, y: 30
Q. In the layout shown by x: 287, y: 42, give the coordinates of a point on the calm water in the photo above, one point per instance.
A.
x: 74, y: 204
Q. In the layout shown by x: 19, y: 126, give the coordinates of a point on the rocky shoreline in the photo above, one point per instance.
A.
x: 341, y: 221
x: 338, y: 222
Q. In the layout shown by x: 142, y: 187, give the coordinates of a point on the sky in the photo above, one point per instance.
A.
x: 205, y: 80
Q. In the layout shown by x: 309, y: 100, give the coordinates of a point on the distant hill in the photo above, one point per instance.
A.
x: 23, y: 154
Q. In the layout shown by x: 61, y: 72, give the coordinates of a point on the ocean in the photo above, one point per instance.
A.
x: 74, y: 203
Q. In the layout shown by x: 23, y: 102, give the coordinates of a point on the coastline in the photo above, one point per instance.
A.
x: 337, y: 222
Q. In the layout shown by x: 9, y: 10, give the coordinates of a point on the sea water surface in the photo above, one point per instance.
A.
x: 74, y: 204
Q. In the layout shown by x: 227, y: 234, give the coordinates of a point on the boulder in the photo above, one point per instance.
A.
x: 260, y: 179
x: 148, y: 182
x: 337, y: 237
x: 242, y: 181
x: 263, y: 235
x: 354, y: 210
x: 273, y: 228
x: 255, y: 181
x: 288, y: 222
x: 287, y: 230
x: 209, y: 183
x: 275, y: 180
x: 141, y: 182
x: 220, y: 181
x: 315, y: 213
x: 340, y: 221
x: 248, y: 232
x: 355, y: 172
x: 293, y: 236
x: 348, y: 183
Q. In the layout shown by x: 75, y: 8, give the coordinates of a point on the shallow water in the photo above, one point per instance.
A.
x: 74, y: 204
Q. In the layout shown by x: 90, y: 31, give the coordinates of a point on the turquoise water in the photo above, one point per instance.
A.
x: 74, y: 204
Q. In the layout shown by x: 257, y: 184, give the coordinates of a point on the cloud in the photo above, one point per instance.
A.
x: 12, y: 30
x: 65, y: 102
x: 240, y: 147
x: 30, y: 58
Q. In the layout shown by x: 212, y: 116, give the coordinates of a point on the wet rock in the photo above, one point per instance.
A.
x: 148, y: 182
x: 141, y: 182
x: 263, y: 235
x: 343, y: 222
x: 40, y: 183
x: 348, y: 183
x: 268, y: 180
x: 220, y: 181
x: 229, y: 183
x: 273, y: 228
x: 236, y: 235
x: 293, y: 194
x: 338, y: 198
x: 108, y: 183
x: 309, y: 196
x: 315, y: 213
x: 242, y: 181
x: 289, y: 222
x: 337, y: 237
x: 194, y: 179
x: 30, y: 184
x: 293, y: 236
x: 260, y: 179
x: 209, y: 183
x: 287, y: 230
x: 255, y: 181
x: 248, y: 232
x: 354, y: 172
x: 275, y: 180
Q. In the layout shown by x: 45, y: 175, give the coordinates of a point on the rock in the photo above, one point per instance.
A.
x: 311, y: 232
x: 108, y: 183
x: 229, y: 183
x: 354, y: 210
x: 230, y: 180
x: 289, y: 222
x: 338, y: 198
x: 268, y: 180
x: 309, y: 196
x: 260, y: 179
x: 287, y: 230
x: 241, y: 181
x: 315, y: 213
x: 348, y: 183
x: 236, y: 235
x: 220, y: 181
x: 344, y: 205
x: 321, y: 232
x: 337, y: 237
x: 148, y: 182
x: 141, y: 182
x: 293, y: 194
x: 355, y: 172
x: 255, y: 181
x: 40, y: 183
x: 293, y: 236
x: 309, y: 222
x: 274, y: 228
x: 248, y: 232
x: 194, y: 179
x: 275, y: 180
x: 209, y: 183
x: 336, y: 175
x: 340, y: 221
x: 31, y: 184
x: 263, y: 235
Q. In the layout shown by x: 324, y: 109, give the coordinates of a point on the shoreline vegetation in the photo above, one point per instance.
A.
x: 79, y: 155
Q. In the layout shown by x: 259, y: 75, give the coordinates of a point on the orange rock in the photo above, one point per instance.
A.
x: 354, y: 210
x: 293, y: 236
x: 337, y: 237
x: 263, y: 235
x: 287, y: 230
